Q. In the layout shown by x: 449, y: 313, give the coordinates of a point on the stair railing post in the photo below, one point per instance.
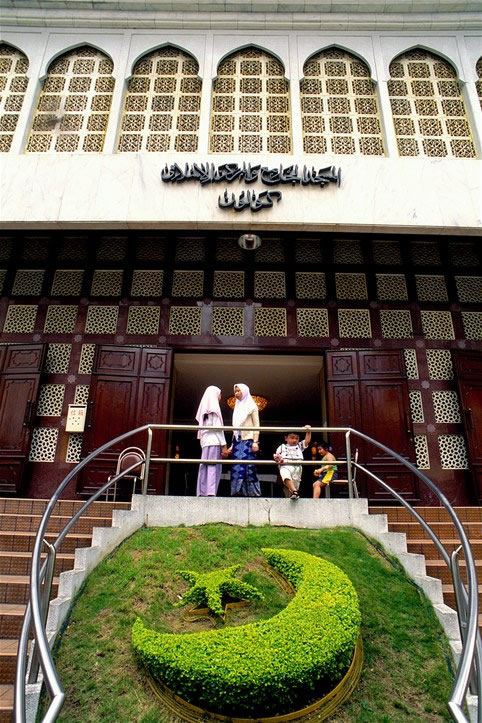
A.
x: 44, y: 607
x: 461, y: 608
x: 148, y: 462
x: 349, y: 476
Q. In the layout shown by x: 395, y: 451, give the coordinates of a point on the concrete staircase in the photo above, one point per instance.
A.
x: 400, y: 520
x: 19, y: 521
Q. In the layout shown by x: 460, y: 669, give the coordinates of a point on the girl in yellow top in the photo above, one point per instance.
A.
x: 326, y: 472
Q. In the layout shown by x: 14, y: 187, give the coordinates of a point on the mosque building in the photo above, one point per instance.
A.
x: 282, y: 194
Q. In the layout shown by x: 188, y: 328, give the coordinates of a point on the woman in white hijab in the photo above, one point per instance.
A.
x: 213, y: 443
x: 244, y: 480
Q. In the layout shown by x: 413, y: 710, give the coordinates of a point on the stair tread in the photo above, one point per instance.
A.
x: 6, y: 697
x: 21, y: 579
x: 15, y: 553
x: 12, y: 609
x: 8, y: 647
x: 32, y: 533
x: 448, y: 587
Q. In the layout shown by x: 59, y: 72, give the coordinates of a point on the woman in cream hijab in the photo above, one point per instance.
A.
x: 244, y: 480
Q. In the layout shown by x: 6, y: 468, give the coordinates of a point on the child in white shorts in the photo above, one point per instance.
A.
x: 286, y: 455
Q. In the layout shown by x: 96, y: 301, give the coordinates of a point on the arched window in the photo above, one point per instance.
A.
x: 428, y: 108
x: 251, y: 109
x: 13, y: 84
x: 74, y: 104
x: 162, y: 104
x: 339, y: 106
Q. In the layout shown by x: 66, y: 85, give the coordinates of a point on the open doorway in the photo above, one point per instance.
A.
x: 293, y: 385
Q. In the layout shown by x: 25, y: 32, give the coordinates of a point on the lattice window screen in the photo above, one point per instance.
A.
x: 428, y: 108
x: 13, y: 84
x: 250, y: 108
x: 339, y: 106
x: 73, y: 107
x: 479, y: 82
x: 163, y: 100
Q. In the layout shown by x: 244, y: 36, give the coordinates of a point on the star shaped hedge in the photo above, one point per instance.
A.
x: 208, y: 588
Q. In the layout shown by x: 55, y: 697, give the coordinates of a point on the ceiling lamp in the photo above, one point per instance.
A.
x: 260, y: 401
x: 249, y: 241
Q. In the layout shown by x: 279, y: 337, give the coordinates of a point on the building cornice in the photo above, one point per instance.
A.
x: 59, y: 15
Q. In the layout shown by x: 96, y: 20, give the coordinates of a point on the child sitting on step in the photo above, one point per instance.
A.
x: 286, y: 455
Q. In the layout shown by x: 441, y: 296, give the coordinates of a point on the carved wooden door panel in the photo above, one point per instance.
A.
x: 468, y: 367
x: 129, y: 388
x: 368, y: 390
x: 20, y: 367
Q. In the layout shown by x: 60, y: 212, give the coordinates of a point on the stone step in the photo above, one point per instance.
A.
x: 24, y: 541
x: 6, y: 703
x: 20, y: 563
x: 14, y: 589
x: 430, y: 551
x: 8, y: 660
x: 11, y: 522
x: 11, y: 618
x: 437, y: 568
x: 430, y: 514
x: 449, y: 595
x: 443, y: 530
x: 15, y: 505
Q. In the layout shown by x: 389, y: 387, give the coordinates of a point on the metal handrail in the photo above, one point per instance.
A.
x: 471, y: 654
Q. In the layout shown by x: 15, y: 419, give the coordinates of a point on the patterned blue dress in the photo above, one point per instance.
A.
x: 244, y: 480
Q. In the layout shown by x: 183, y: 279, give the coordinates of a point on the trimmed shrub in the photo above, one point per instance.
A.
x: 272, y: 666
x: 210, y: 588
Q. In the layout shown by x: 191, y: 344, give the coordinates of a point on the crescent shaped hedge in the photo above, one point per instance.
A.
x: 272, y: 666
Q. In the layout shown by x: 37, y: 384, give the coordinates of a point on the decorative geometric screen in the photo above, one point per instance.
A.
x: 74, y: 104
x: 428, y: 107
x: 250, y: 109
x: 339, y: 106
x: 479, y: 82
x: 162, y: 104
x: 13, y: 84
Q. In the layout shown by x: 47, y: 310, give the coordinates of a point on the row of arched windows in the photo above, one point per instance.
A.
x: 250, y: 108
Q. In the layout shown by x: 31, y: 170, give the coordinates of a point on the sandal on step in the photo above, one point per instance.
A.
x: 294, y: 496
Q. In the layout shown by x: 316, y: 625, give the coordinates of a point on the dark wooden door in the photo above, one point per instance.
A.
x: 129, y: 388
x: 20, y: 367
x: 368, y: 390
x: 468, y: 371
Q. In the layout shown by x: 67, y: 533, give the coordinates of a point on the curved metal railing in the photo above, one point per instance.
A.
x: 469, y: 669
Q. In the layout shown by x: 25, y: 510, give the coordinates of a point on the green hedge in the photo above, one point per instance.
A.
x: 268, y: 667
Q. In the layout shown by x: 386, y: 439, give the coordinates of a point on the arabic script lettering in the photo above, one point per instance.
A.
x: 228, y: 172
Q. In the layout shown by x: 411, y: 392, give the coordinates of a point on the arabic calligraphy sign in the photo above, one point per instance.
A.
x: 205, y: 173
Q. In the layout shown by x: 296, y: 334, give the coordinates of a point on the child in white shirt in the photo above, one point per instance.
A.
x: 287, y: 454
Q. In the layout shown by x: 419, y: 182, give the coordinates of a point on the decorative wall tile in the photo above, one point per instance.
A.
x: 3, y: 273
x: 453, y: 452
x: 28, y: 282
x: 106, y: 283
x: 472, y: 321
x: 143, y: 320
x: 421, y: 451
x: 392, y: 287
x: 411, y: 364
x: 271, y: 251
x: 13, y: 84
x: 310, y: 285
x: 101, y: 319
x: 308, y: 251
x: 270, y: 322
x: 396, y: 324
x: 86, y: 358
x: 347, y: 252
x: 151, y: 249
x: 439, y: 363
x: 312, y: 322
x: 469, y: 289
x: 44, y: 444
x: 446, y: 407
x: 227, y: 249
x: 190, y: 250
x: 60, y: 319
x: 74, y: 448
x: 67, y: 282
x: 387, y: 253
x: 81, y: 393
x: 50, y: 401
x: 431, y: 288
x: 425, y: 253
x: 147, y: 283
x: 185, y: 320
x: 464, y: 255
x: 228, y: 284
x: 72, y: 249
x: 437, y: 324
x: 228, y: 321
x: 416, y: 406
x: 20, y: 319
x: 58, y: 358
x: 188, y: 283
x: 354, y: 323
x: 112, y: 248
x: 269, y: 285
x: 351, y: 286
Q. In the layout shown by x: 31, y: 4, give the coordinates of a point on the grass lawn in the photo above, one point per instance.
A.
x: 405, y: 675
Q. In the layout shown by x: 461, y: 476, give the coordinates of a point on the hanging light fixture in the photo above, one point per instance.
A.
x: 249, y: 242
x: 260, y: 401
